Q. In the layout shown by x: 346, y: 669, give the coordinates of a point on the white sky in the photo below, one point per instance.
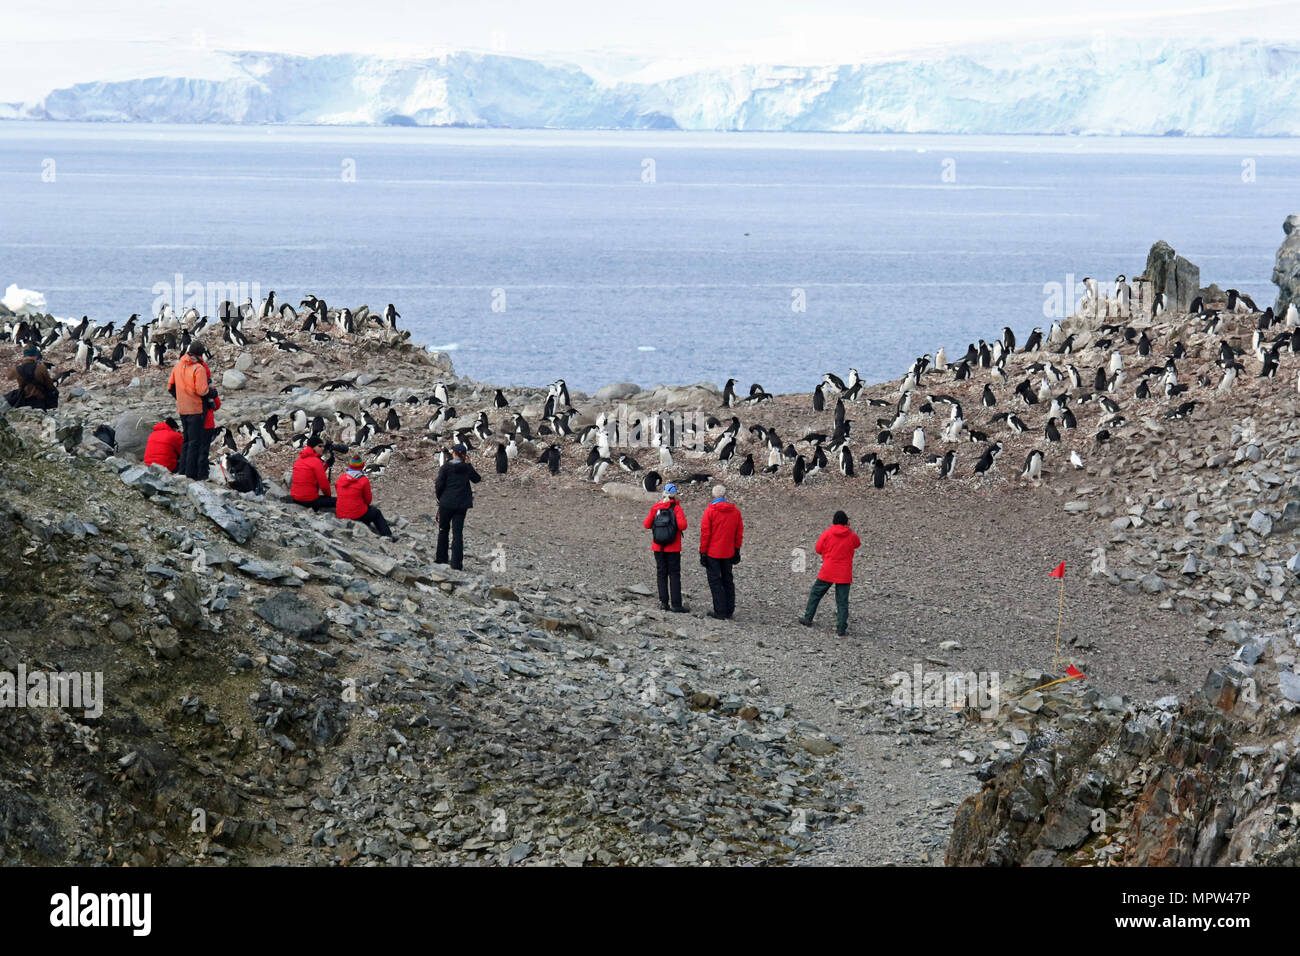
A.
x: 45, y: 44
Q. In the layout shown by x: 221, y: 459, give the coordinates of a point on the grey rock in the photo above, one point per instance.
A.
x: 617, y: 391
x: 132, y: 428
x: 1289, y: 684
x: 292, y: 615
x: 1173, y: 275
x: 213, y: 507
x: 232, y: 380
x: 1286, y: 268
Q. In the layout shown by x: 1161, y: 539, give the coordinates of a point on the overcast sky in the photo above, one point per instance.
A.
x: 50, y: 43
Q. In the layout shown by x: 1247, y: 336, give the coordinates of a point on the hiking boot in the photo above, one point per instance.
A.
x: 663, y: 606
x: 805, y: 622
x: 716, y: 617
x: 680, y: 609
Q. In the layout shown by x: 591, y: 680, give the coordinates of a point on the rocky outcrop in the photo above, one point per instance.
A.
x: 1286, y: 270
x: 1173, y: 275
x: 1210, y: 782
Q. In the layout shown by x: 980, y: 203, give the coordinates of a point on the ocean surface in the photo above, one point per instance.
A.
x: 633, y: 256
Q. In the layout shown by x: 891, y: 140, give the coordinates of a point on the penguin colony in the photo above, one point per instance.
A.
x: 1058, y: 398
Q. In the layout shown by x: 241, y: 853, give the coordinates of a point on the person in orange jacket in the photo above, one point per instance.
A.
x: 311, y: 484
x: 666, y: 543
x: 353, y: 494
x: 164, y: 445
x: 721, y: 532
x: 836, y: 545
x: 192, y: 386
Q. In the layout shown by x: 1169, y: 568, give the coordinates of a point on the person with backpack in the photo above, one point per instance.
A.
x: 455, y: 498
x: 164, y: 445
x: 666, y: 522
x: 191, y: 384
x: 836, y: 546
x: 310, y: 485
x: 721, y: 532
x: 352, y: 492
x: 36, y: 387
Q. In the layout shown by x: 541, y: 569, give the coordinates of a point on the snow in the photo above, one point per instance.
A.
x: 1127, y: 87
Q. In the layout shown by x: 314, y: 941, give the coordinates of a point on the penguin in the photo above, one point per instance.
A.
x: 729, y: 393
x: 1051, y: 432
x: 499, y: 400
x: 651, y: 480
x: 553, y: 459
x: 819, y: 399
x: 1068, y: 419
x: 141, y: 357
x: 1033, y: 469
x: 597, y: 471
x: 628, y: 463
x: 1016, y: 424
x: 391, y: 315
x: 522, y: 427
x: 1075, y: 460
x: 393, y: 423
x: 1270, y: 365
x: 834, y: 381
x: 948, y: 465
x: 665, y: 457
x: 726, y: 447
x: 774, y: 461
x: 747, y: 466
x: 878, y: 473
x: 800, y: 469
x: 985, y: 464
x: 987, y: 397
x: 846, y: 461
x: 1035, y: 340
x: 502, y: 459
x: 512, y: 449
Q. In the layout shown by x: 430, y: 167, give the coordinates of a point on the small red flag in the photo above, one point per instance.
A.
x: 1075, y: 672
x: 1059, y: 571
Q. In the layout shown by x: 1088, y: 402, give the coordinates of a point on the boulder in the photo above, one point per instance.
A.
x: 132, y: 428
x: 290, y: 614
x: 1173, y: 275
x: 232, y: 380
x: 1286, y: 269
x: 617, y: 391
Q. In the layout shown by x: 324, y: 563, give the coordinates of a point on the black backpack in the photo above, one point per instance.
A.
x: 664, y: 527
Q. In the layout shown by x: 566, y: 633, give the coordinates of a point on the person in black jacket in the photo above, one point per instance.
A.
x: 455, y: 497
x: 35, y: 386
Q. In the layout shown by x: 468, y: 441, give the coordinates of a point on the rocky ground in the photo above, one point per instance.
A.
x: 324, y: 696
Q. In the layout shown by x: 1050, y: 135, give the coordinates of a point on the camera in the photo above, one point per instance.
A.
x: 334, y: 447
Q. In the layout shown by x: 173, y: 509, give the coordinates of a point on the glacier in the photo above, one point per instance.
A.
x: 1126, y: 86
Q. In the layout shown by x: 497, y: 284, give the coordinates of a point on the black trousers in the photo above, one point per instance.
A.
x: 374, y: 519
x: 668, y: 570
x: 722, y: 586
x: 323, y: 503
x: 195, y: 442
x: 451, y: 521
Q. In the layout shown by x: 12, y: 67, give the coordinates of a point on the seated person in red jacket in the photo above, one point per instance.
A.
x: 353, y: 491
x: 164, y: 445
x: 310, y: 486
x: 836, y: 546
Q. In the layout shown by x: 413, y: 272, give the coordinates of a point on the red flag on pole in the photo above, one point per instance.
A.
x: 1075, y: 672
x: 1058, y: 571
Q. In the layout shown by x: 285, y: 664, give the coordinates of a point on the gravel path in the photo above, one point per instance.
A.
x: 938, y: 563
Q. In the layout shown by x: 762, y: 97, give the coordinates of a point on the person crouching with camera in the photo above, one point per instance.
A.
x: 311, y: 484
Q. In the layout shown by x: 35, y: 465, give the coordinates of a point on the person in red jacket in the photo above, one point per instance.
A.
x: 353, y: 490
x: 836, y: 546
x: 310, y: 486
x: 164, y: 445
x: 668, y: 556
x: 721, y: 533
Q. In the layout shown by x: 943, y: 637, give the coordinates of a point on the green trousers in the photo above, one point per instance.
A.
x: 819, y: 589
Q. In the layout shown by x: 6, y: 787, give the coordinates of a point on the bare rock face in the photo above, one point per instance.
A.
x: 1206, y: 783
x: 1286, y: 270
x: 1173, y: 275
